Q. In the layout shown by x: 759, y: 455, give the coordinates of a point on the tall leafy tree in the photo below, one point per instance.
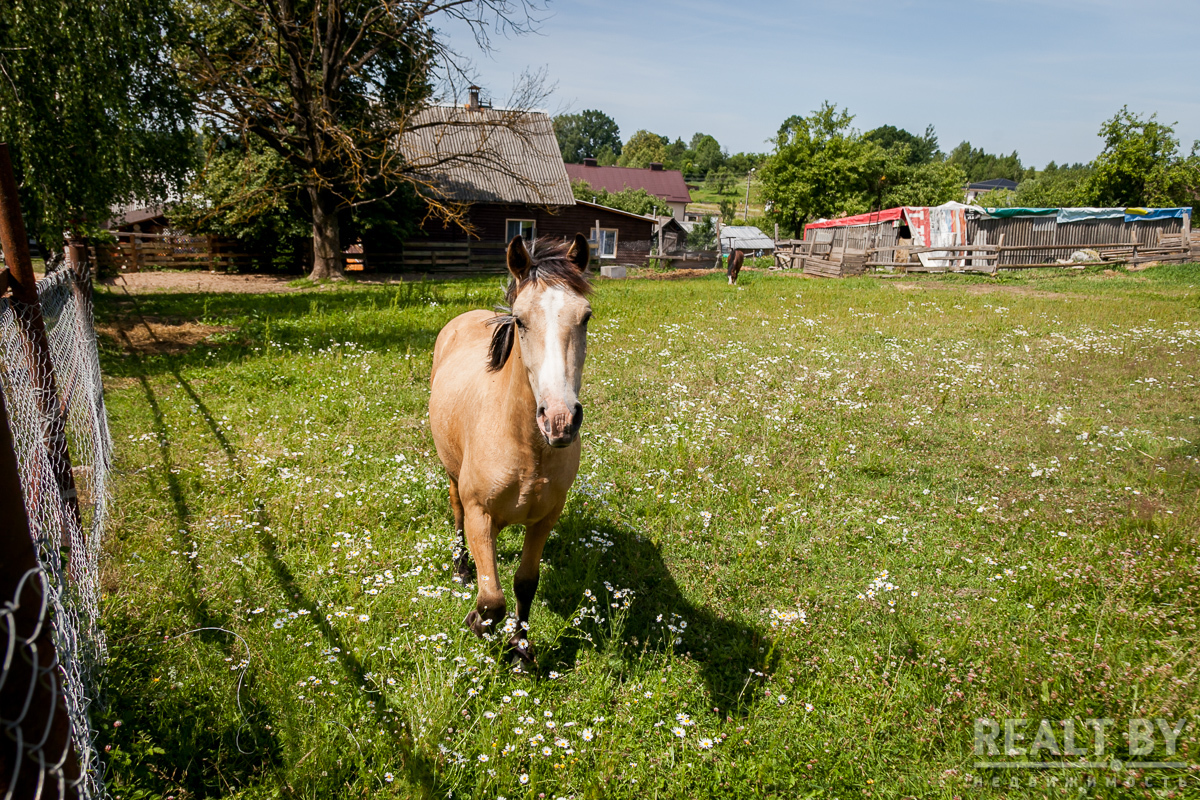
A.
x: 1141, y: 164
x: 331, y: 86
x: 921, y: 149
x: 90, y: 109
x: 980, y: 165
x: 644, y: 148
x: 821, y: 167
x: 586, y: 134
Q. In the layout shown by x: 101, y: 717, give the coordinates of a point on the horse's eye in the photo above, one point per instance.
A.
x: 520, y: 324
x: 587, y: 318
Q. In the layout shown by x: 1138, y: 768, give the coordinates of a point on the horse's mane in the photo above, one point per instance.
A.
x: 550, y: 267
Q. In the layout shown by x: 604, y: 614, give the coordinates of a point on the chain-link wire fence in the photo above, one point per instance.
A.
x: 50, y: 642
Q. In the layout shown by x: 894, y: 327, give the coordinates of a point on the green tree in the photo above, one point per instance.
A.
x: 90, y: 109
x: 248, y: 192
x: 821, y: 167
x: 921, y: 149
x: 728, y: 209
x: 1141, y: 164
x: 644, y: 148
x: 703, y: 235
x: 635, y: 201
x: 982, y: 166
x: 707, y: 154
x: 721, y: 180
x: 585, y: 134
x: 332, y: 86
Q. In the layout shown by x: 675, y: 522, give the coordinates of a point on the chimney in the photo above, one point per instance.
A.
x: 656, y: 166
x: 473, y: 103
x: 589, y: 162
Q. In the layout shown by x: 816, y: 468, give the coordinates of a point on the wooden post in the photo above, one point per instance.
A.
x: 32, y: 690
x: 999, y: 253
x: 776, y: 233
x: 135, y: 256
x: 33, y: 334
x: 1133, y: 238
x: 1185, y: 233
x: 211, y: 241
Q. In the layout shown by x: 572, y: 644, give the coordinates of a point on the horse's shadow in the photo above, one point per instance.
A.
x: 731, y: 655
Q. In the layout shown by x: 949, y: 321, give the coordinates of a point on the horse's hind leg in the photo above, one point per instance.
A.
x: 462, y: 555
x: 525, y: 583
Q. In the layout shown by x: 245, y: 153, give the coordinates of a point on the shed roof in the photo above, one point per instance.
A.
x: 488, y: 155
x: 621, y: 211
x: 745, y: 237
x: 665, y: 183
x: 994, y: 183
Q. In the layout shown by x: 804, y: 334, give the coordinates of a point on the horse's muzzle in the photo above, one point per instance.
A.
x: 560, y: 429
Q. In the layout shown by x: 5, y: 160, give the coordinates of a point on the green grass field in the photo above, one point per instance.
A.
x: 820, y: 528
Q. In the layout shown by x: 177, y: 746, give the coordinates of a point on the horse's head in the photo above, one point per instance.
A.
x: 549, y: 314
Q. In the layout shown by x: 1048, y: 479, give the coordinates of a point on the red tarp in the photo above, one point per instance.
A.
x: 887, y: 215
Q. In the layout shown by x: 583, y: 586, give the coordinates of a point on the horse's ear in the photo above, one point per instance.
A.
x: 579, y: 252
x: 519, y: 262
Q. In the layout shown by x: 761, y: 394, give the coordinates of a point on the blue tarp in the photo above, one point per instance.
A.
x: 1135, y: 214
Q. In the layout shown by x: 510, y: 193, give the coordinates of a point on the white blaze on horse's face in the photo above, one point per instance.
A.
x: 553, y: 334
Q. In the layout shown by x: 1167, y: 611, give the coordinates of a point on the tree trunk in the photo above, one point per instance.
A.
x: 328, y: 261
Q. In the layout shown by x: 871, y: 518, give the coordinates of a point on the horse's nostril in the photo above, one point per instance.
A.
x: 541, y: 412
x: 577, y: 417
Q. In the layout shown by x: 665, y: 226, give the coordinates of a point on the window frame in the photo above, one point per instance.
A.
x: 595, y: 245
x: 522, y: 221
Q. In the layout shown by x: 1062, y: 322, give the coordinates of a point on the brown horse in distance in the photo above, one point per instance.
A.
x: 505, y: 416
x: 735, y: 266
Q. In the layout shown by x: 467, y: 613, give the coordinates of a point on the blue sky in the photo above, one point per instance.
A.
x: 1036, y: 77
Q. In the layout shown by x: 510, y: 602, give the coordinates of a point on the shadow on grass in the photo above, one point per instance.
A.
x: 726, y: 651
x: 171, y: 746
x: 367, y: 316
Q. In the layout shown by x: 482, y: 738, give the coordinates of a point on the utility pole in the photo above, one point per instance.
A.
x: 746, y: 216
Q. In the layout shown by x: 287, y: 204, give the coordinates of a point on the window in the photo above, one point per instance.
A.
x: 607, y: 247
x: 525, y: 228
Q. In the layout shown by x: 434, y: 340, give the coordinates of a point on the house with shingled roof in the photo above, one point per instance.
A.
x: 666, y: 184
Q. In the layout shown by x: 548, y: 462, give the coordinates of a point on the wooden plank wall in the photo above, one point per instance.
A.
x: 1030, y: 231
x: 136, y: 251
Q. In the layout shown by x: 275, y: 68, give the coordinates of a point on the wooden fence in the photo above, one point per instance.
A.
x: 841, y: 252
x: 134, y: 252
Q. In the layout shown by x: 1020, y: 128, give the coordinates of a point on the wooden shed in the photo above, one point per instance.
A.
x: 506, y: 172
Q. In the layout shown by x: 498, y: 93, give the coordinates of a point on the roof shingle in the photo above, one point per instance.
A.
x: 488, y: 155
x: 667, y: 184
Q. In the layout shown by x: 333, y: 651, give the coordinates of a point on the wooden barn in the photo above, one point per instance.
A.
x: 505, y: 170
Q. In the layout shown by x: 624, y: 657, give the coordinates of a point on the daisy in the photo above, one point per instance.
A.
x: 587, y: 734
x: 678, y: 731
x: 705, y: 744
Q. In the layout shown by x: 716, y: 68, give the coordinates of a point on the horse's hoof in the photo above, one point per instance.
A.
x: 475, y: 622
x: 521, y: 651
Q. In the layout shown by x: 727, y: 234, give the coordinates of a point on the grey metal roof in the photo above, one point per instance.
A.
x: 488, y: 155
x: 745, y: 237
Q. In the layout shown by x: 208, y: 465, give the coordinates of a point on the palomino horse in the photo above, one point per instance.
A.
x: 735, y: 266
x: 505, y: 416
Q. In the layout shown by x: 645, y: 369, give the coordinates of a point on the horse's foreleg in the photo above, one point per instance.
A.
x: 481, y: 532
x: 462, y: 556
x: 525, y: 582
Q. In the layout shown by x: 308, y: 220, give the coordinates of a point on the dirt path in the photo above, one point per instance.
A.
x: 220, y: 283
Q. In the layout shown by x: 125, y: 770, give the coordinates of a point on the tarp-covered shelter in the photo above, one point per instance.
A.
x: 957, y: 224
x: 744, y: 237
